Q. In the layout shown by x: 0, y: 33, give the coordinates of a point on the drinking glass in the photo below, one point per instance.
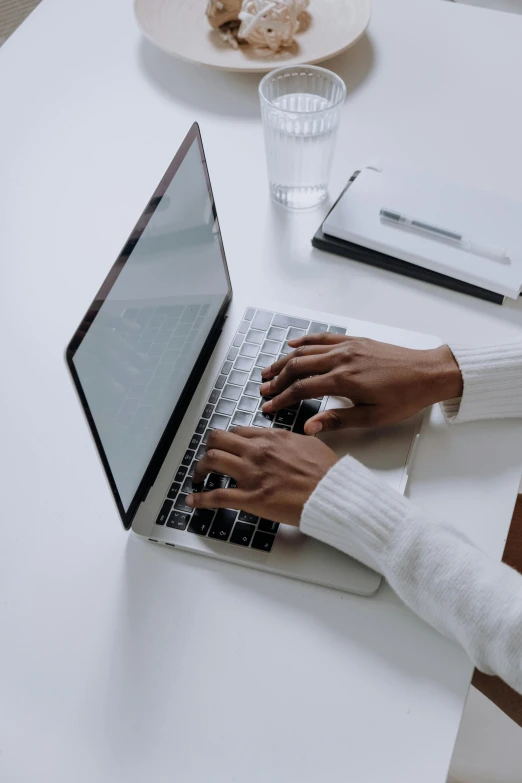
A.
x: 301, y: 109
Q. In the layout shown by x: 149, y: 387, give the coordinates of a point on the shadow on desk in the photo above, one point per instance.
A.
x: 234, y: 94
x: 493, y: 688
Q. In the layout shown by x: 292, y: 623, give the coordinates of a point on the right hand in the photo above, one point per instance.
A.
x: 386, y: 383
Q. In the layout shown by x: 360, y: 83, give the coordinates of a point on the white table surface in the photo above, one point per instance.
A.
x: 121, y: 660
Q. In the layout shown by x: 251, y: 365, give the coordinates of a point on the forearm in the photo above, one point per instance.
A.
x: 492, y: 383
x: 436, y: 571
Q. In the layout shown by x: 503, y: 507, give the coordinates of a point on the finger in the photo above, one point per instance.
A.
x: 298, y: 367
x: 216, y: 461
x: 301, y: 389
x: 324, y: 338
x: 218, y: 498
x: 341, y: 418
x: 230, y: 442
x: 274, y: 369
x: 246, y: 432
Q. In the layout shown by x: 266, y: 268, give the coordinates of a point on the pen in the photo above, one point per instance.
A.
x: 442, y: 235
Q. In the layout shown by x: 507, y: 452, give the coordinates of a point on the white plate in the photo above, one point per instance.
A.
x: 181, y: 28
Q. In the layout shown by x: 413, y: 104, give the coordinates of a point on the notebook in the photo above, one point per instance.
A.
x: 354, y: 228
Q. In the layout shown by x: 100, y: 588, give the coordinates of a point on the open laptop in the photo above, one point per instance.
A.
x: 164, y: 355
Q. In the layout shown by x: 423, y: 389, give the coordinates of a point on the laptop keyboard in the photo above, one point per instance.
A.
x: 261, y: 339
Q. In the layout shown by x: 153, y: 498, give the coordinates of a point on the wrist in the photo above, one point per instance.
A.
x: 443, y: 375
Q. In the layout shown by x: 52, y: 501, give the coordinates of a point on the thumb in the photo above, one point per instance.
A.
x: 340, y: 419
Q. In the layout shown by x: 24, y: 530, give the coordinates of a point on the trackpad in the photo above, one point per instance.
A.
x: 384, y: 450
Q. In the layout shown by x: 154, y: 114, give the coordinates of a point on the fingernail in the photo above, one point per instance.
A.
x: 292, y: 342
x: 264, y: 387
x: 189, y: 500
x: 265, y: 372
x: 267, y: 407
x: 314, y: 427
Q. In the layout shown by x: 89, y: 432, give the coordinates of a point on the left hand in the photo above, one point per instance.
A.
x: 276, y: 471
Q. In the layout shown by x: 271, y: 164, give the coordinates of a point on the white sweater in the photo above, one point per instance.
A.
x: 437, y: 571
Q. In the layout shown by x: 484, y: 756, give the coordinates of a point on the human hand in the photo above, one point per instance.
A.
x: 276, y: 471
x: 386, y: 383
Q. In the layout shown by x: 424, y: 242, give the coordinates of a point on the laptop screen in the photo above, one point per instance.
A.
x: 138, y: 347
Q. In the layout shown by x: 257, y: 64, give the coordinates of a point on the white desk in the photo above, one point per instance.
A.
x: 124, y: 661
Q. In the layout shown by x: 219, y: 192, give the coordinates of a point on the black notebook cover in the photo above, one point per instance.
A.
x: 341, y: 247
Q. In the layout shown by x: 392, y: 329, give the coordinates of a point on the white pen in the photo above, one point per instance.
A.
x: 442, y: 235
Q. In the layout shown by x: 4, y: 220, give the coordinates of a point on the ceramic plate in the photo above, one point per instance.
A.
x: 180, y: 27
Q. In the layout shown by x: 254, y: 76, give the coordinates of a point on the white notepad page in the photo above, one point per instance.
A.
x: 487, y: 219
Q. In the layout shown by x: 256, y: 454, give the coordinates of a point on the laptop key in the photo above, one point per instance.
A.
x: 187, y: 459
x: 267, y: 526
x: 180, y: 504
x: 215, y: 481
x: 226, y: 406
x: 205, y: 437
x: 248, y: 404
x: 243, y: 327
x: 164, y: 513
x: 243, y: 363
x: 264, y: 360
x: 263, y: 541
x: 242, y: 534
x: 276, y: 333
x: 194, y: 442
x: 222, y: 524
x: 232, y: 392
x: 192, y: 468
x: 238, y: 339
x: 294, y: 334
x: 249, y: 349
x: 202, y: 425
x: 238, y: 378
x: 285, y: 417
x: 232, y: 354
x: 252, y: 389
x: 269, y: 346
x: 219, y: 422
x: 242, y: 419
x: 226, y: 368
x: 250, y: 518
x: 173, y: 491
x: 262, y: 320
x: 214, y: 397
x: 249, y: 314
x: 222, y: 379
x: 261, y: 420
x: 187, y: 486
x: 285, y: 350
x: 308, y: 409
x: 178, y: 520
x: 207, y: 413
x: 317, y: 328
x: 201, y: 520
x: 180, y: 475
x: 255, y: 375
x: 337, y: 330
x: 201, y: 452
x: 289, y: 320
x: 254, y: 336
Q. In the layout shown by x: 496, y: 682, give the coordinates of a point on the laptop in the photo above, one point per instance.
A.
x: 165, y: 354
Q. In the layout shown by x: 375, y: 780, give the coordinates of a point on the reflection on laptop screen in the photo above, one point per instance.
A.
x: 136, y: 357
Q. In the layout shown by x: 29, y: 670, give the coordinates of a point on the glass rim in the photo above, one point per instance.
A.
x: 314, y: 68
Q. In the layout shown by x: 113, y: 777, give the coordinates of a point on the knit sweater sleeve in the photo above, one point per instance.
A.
x: 492, y: 383
x: 439, y: 573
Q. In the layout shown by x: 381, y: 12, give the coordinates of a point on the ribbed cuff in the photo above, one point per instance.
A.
x: 355, y: 512
x: 492, y: 383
